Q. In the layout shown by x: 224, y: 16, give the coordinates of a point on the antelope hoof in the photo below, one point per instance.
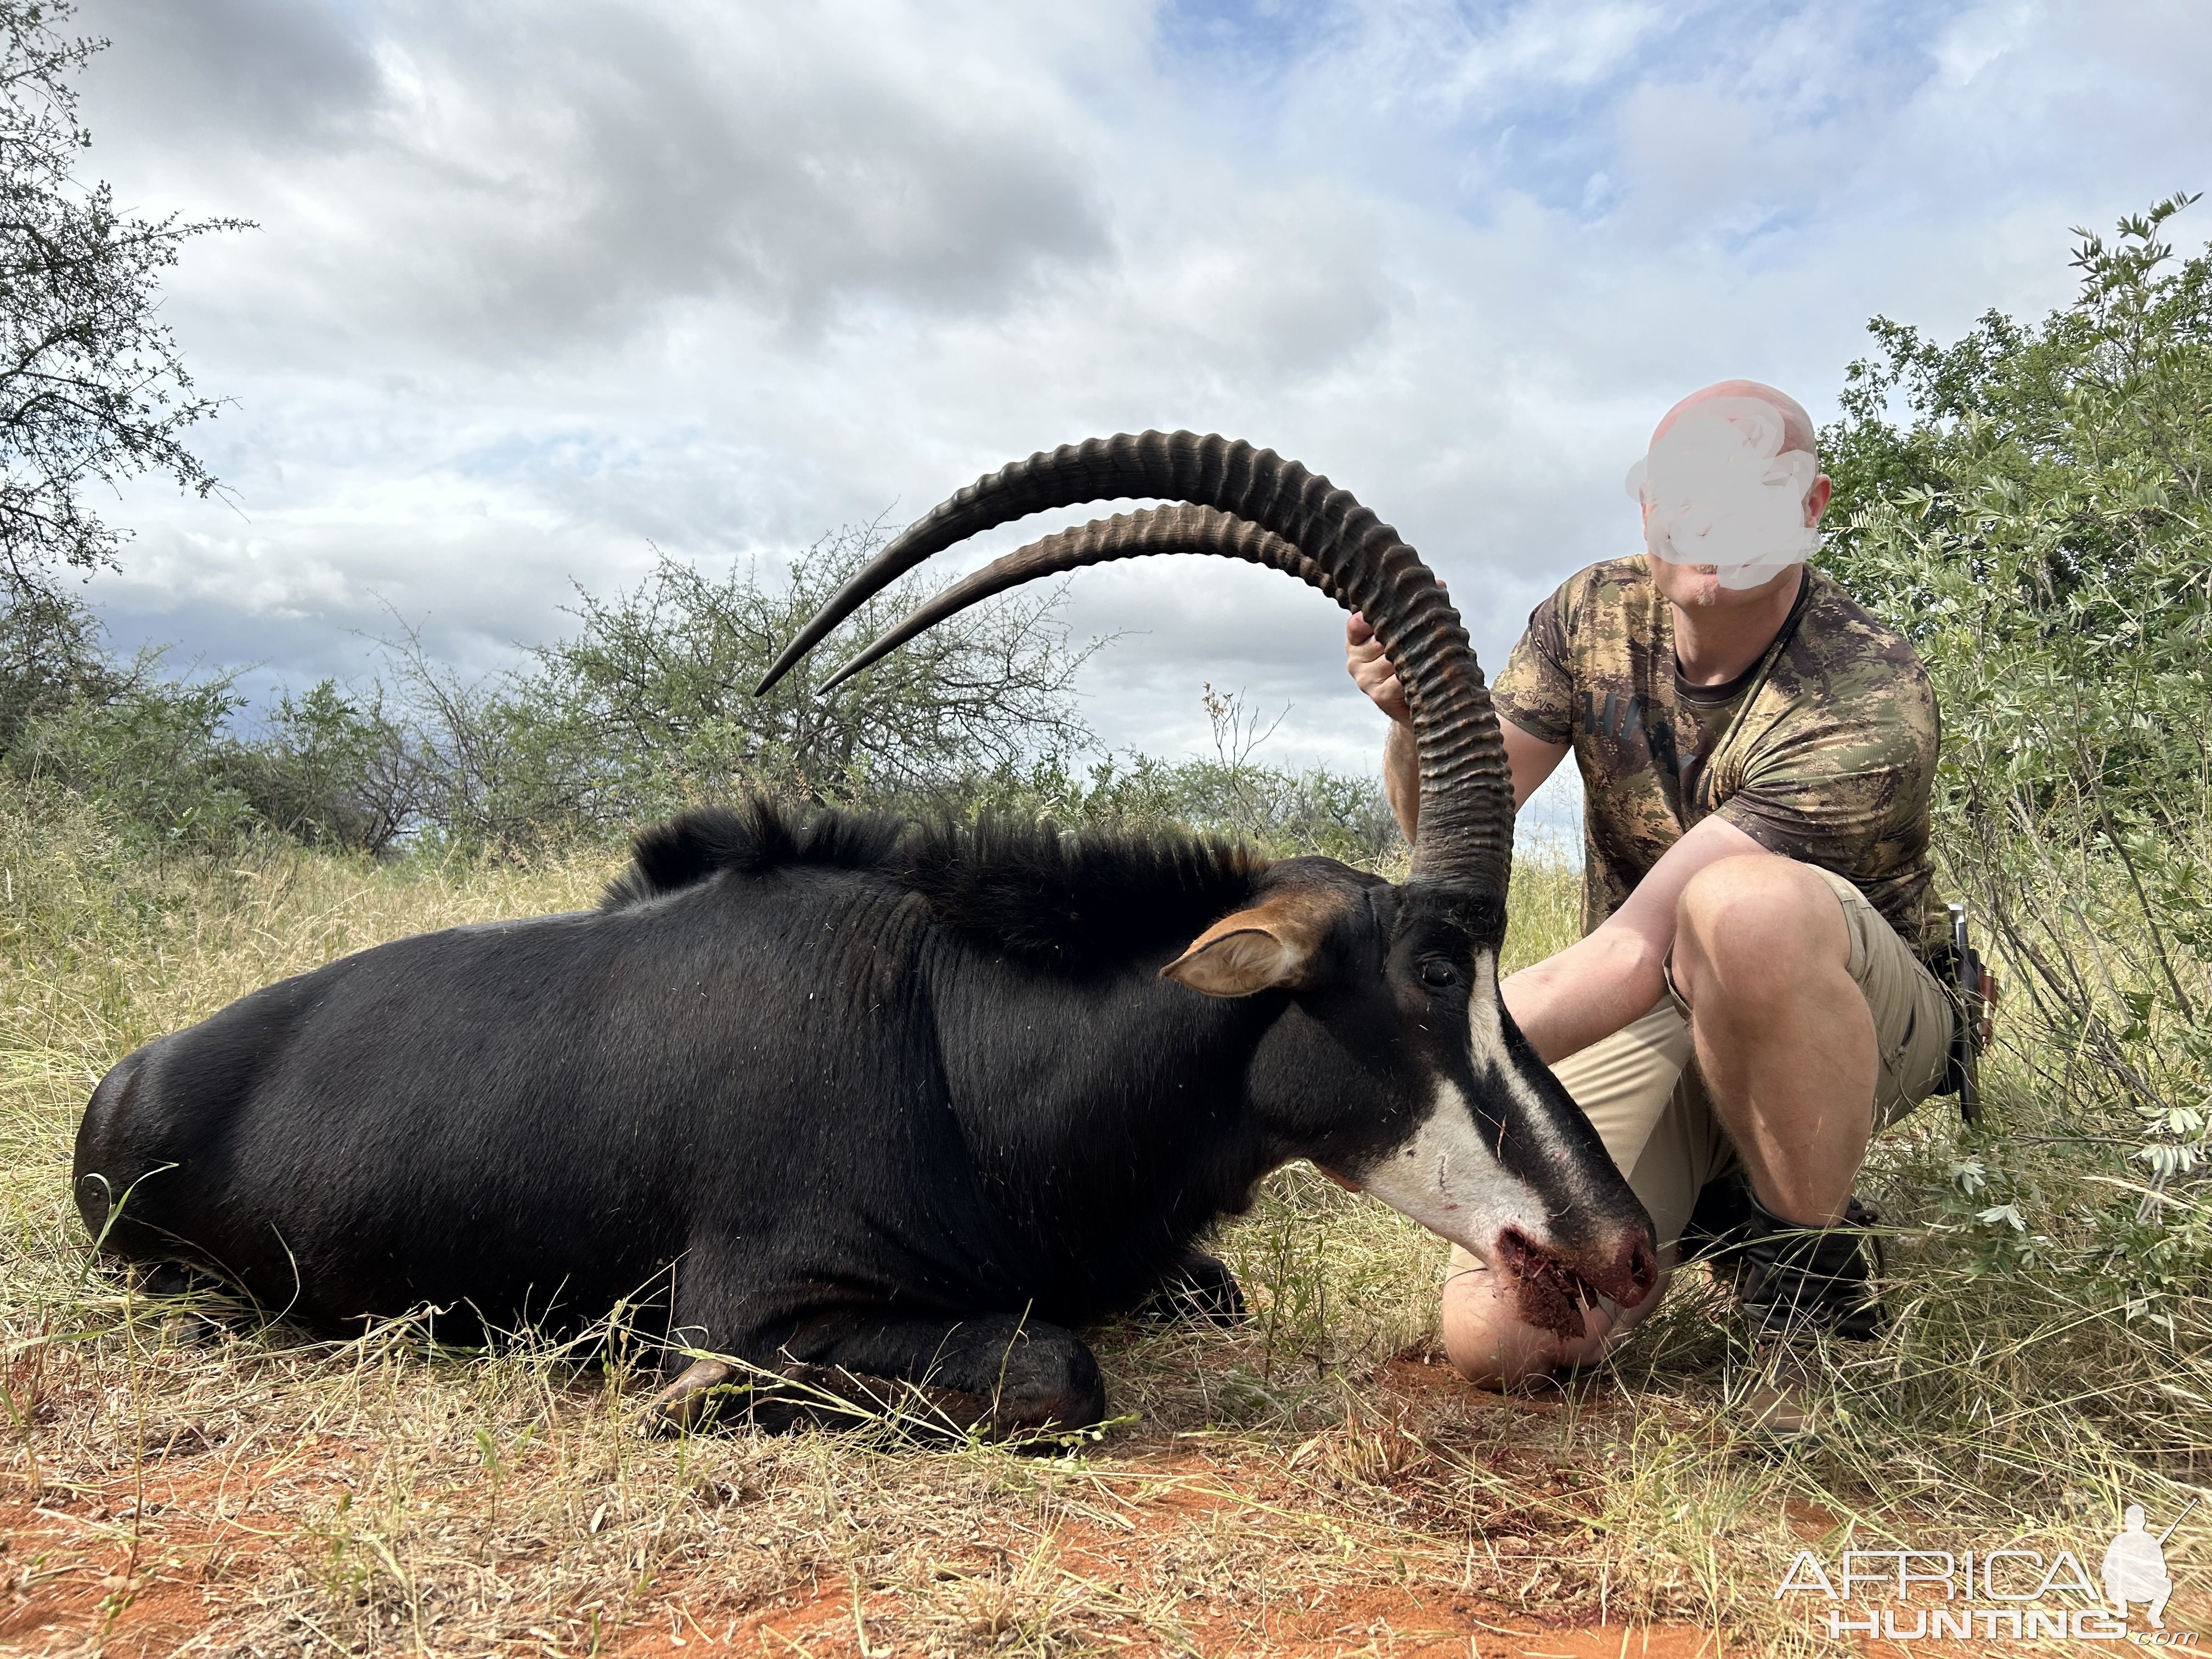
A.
x: 689, y: 1401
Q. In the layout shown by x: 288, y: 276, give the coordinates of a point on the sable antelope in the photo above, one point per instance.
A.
x: 880, y: 1102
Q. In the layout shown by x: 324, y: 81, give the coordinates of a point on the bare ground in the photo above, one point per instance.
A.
x: 1427, y: 1520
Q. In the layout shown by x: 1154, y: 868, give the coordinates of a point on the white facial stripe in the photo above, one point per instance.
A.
x: 1448, y: 1176
x: 1486, y: 1026
x: 1486, y: 1047
x: 1448, y: 1179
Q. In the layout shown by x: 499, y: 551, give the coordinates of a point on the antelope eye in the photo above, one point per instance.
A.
x: 1438, y: 973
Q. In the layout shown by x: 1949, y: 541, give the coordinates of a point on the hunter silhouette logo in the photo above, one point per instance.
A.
x: 2135, y: 1566
x: 1996, y: 1593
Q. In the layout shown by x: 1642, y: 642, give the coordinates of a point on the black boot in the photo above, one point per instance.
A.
x: 1794, y: 1284
x: 1791, y: 1279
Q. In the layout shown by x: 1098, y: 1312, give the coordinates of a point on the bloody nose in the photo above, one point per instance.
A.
x: 1632, y: 1269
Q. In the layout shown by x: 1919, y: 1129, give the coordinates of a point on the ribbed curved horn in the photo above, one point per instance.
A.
x: 1467, y: 791
x: 1157, y: 530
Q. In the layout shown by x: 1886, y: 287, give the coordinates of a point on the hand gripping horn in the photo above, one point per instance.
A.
x: 1467, y: 793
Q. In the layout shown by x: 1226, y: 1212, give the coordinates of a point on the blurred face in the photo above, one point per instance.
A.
x: 1697, y: 587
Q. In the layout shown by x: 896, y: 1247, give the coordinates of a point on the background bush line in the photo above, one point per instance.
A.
x: 644, y: 708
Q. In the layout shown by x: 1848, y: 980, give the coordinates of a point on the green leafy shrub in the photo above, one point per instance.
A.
x: 1284, y: 811
x: 2030, y: 504
x: 649, y: 706
x: 332, y: 769
x: 153, y: 748
x: 167, y: 757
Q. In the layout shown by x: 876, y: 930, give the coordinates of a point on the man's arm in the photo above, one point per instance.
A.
x: 1531, y: 758
x: 1612, y: 978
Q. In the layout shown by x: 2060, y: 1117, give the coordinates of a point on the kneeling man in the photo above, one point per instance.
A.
x: 1751, y: 999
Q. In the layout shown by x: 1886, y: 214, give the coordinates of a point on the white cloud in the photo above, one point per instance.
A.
x: 1979, y: 38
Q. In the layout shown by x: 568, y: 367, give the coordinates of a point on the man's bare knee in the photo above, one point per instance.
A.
x: 1497, y: 1357
x: 1753, y: 923
x: 1489, y: 1345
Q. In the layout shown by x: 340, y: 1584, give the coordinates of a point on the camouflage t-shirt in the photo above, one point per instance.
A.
x: 1824, y: 751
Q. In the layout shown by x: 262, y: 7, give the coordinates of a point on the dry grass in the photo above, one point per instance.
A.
x: 1316, y: 1483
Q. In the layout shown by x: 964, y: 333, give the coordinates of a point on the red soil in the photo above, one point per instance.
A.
x: 135, y: 1571
x: 139, y: 1568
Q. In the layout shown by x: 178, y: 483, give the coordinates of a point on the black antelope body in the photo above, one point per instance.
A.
x: 874, y: 1101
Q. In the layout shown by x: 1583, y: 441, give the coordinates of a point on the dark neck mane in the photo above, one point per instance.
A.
x: 1033, y: 890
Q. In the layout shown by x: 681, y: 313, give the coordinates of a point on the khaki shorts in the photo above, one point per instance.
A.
x: 1641, y: 1089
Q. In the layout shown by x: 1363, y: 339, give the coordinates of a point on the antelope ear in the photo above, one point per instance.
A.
x: 1271, y: 944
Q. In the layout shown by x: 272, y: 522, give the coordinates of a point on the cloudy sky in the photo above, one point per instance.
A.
x: 539, y: 287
